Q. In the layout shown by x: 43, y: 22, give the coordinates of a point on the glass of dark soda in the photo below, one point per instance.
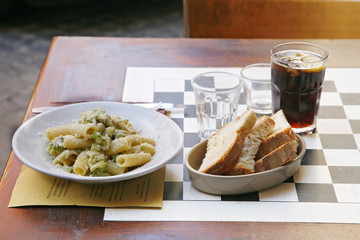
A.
x: 297, y: 76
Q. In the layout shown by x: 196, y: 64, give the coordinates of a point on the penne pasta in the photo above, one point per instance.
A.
x: 66, y: 158
x: 133, y: 160
x: 88, y: 147
x: 114, y: 169
x: 72, y: 142
x: 119, y: 145
x: 147, y: 148
x: 81, y: 166
x: 143, y: 147
x: 90, y: 161
x: 138, y: 139
x: 76, y: 129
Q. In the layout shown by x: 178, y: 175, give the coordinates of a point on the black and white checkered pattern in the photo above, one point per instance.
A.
x: 331, y: 165
x: 325, y: 189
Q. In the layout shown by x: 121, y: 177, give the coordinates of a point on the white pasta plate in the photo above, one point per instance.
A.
x: 30, y: 142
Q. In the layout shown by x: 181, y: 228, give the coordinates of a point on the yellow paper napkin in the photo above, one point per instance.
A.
x: 34, y: 188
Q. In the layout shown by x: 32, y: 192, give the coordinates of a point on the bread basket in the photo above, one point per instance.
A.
x: 238, y: 184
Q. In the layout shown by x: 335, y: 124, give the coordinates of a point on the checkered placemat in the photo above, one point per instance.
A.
x: 325, y: 189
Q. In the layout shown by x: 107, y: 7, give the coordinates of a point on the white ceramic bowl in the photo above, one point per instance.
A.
x: 30, y: 142
x: 240, y: 184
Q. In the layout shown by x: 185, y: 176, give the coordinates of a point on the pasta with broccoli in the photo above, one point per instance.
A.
x: 99, y: 145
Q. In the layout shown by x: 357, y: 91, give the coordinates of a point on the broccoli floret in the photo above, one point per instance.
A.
x: 55, y: 146
x: 119, y: 133
x: 98, y: 169
x: 97, y: 137
x: 96, y: 147
x: 109, y: 131
x: 97, y: 115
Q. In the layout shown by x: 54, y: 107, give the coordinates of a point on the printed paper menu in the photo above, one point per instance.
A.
x: 34, y: 188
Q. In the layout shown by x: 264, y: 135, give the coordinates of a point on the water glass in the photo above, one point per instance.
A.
x: 257, y: 87
x: 217, y: 98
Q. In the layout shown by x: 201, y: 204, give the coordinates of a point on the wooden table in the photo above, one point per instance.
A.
x: 85, y: 69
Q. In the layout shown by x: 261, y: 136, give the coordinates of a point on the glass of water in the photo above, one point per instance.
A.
x: 257, y: 87
x: 217, y: 98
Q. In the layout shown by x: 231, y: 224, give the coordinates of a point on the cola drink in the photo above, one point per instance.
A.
x: 297, y: 77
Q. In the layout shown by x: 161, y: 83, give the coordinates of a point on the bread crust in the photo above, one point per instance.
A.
x: 280, y: 156
x: 271, y: 143
x: 246, y: 161
x: 223, y: 163
x: 227, y: 160
x: 281, y: 134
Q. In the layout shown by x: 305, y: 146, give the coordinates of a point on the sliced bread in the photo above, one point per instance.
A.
x: 246, y: 161
x: 281, y: 134
x: 225, y: 146
x: 283, y: 154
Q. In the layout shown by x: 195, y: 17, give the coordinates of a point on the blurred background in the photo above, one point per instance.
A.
x: 27, y: 27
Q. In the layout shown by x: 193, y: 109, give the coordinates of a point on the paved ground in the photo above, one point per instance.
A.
x: 26, y: 35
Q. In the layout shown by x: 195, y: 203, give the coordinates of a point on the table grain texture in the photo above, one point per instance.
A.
x: 93, y: 69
